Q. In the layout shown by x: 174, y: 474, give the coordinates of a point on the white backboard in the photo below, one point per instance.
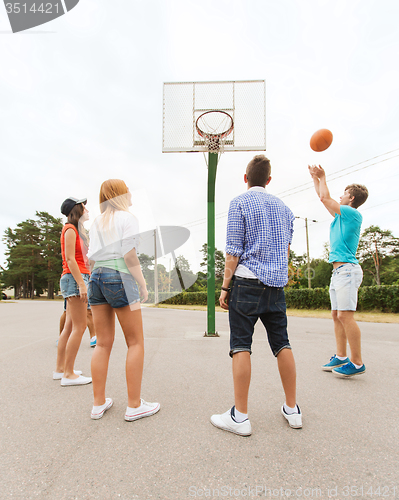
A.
x: 184, y: 102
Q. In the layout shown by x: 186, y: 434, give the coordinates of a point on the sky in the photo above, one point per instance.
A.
x: 81, y: 102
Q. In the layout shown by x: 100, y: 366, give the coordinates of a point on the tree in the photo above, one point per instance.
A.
x: 181, y: 275
x: 298, y: 271
x: 378, y: 251
x: 146, y: 263
x: 33, y: 256
x: 219, y: 263
x: 50, y: 231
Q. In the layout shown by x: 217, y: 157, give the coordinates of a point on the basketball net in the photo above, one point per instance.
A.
x: 214, y: 127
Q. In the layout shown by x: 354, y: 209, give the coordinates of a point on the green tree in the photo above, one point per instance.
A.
x: 321, y: 274
x: 219, y: 264
x: 298, y: 271
x: 147, y: 268
x: 33, y: 256
x: 378, y: 252
x: 23, y: 258
x: 50, y: 231
x: 181, y: 275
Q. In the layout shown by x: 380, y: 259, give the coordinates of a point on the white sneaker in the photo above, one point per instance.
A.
x: 227, y: 422
x: 59, y: 375
x: 98, y: 411
x: 81, y: 380
x: 144, y: 410
x: 295, y: 419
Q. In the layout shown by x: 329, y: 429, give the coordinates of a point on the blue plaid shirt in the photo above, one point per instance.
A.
x: 259, y: 229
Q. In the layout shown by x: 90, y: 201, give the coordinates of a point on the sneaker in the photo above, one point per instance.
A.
x: 349, y: 370
x: 98, y: 411
x: 294, y: 419
x: 81, y: 380
x: 93, y: 341
x: 144, y: 410
x: 226, y: 421
x: 60, y: 375
x: 334, y: 363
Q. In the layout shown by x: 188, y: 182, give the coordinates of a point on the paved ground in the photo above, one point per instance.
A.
x: 50, y: 448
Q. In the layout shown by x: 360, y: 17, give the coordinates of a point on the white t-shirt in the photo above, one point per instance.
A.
x: 116, y: 240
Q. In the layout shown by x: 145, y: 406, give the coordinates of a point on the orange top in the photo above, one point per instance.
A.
x: 80, y: 252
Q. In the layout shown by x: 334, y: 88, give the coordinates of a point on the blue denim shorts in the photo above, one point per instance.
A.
x: 345, y: 282
x: 108, y: 286
x: 250, y: 300
x: 69, y: 287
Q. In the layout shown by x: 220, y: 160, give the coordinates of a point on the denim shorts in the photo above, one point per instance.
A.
x: 345, y: 282
x: 250, y: 299
x: 69, y: 287
x: 108, y: 286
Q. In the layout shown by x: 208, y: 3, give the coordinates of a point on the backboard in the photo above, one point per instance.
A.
x: 185, y: 102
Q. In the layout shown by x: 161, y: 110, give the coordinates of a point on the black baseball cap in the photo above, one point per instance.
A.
x: 69, y: 203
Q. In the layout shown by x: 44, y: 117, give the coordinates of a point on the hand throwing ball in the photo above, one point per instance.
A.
x: 321, y: 140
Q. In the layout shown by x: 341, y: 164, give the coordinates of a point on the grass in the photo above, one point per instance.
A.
x: 369, y: 316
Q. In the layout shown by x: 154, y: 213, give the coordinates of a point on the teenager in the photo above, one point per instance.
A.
x: 116, y: 286
x: 347, y: 274
x: 73, y: 284
x: 259, y: 234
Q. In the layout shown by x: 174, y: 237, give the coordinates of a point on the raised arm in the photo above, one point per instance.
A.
x: 319, y: 179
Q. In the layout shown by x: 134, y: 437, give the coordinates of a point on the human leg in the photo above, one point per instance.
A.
x: 132, y: 327
x: 104, y: 322
x: 353, y: 334
x: 344, y: 287
x: 62, y: 321
x: 90, y: 323
x: 287, y: 370
x: 76, y: 309
x: 340, y: 334
x: 241, y: 379
x: 62, y: 342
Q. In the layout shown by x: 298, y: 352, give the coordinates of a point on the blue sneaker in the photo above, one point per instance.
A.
x: 349, y: 370
x: 334, y: 363
x: 93, y: 341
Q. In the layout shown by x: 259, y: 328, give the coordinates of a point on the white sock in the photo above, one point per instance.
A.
x: 341, y: 358
x: 290, y: 411
x: 239, y: 417
x: 356, y: 366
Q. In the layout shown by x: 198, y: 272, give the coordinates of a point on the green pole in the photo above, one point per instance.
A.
x: 212, y: 166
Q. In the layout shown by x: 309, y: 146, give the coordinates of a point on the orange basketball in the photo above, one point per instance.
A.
x: 321, y: 140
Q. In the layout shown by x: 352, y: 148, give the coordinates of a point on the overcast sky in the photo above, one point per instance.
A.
x: 81, y: 102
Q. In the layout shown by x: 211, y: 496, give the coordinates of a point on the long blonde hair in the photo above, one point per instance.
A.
x: 113, y: 197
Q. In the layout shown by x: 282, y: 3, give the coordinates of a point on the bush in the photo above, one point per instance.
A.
x: 184, y: 298
x: 383, y: 298
x: 308, y: 298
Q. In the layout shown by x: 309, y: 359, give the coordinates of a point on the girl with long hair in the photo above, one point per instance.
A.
x: 116, y: 286
x: 74, y: 280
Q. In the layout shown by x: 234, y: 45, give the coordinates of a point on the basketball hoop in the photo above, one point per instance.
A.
x: 214, y: 127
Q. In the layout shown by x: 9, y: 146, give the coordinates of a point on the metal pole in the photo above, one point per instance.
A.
x: 307, y: 249
x: 212, y: 166
x: 155, y: 268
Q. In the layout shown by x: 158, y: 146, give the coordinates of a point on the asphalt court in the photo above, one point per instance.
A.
x: 51, y: 449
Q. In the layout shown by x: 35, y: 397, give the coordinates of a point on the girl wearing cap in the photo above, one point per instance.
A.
x: 74, y: 280
x: 115, y: 287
